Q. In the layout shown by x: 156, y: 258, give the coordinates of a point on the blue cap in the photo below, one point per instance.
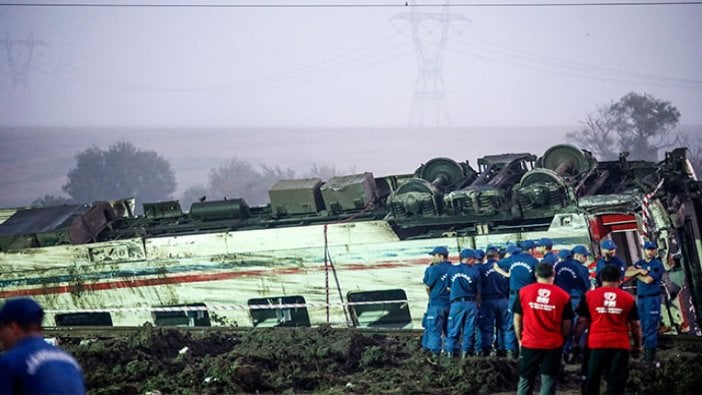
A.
x: 649, y: 245
x: 546, y: 242
x: 565, y: 253
x: 468, y: 253
x: 527, y: 244
x: 581, y: 249
x: 479, y: 254
x: 24, y: 311
x: 608, y: 245
x: 439, y: 251
x: 492, y: 248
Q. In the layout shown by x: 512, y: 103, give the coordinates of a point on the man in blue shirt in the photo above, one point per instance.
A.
x: 464, y: 282
x: 574, y: 278
x: 545, y: 247
x: 522, y: 266
x: 436, y: 281
x: 494, y: 313
x: 30, y: 365
x: 609, y: 257
x: 648, y: 273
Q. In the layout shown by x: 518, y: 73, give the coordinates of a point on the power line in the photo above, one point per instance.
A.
x: 535, y: 59
x: 396, y: 4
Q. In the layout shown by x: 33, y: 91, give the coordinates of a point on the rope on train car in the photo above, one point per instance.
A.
x: 329, y: 263
x: 228, y: 307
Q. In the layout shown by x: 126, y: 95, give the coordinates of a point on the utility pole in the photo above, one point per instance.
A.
x: 430, y: 32
x: 19, y: 56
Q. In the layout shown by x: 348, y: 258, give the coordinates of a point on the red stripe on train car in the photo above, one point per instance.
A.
x: 192, y: 278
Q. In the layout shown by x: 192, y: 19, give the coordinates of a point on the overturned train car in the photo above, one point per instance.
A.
x: 348, y: 251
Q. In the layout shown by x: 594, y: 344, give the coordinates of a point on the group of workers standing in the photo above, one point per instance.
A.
x: 544, y: 310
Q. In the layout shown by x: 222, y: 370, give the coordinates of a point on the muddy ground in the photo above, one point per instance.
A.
x: 323, y: 360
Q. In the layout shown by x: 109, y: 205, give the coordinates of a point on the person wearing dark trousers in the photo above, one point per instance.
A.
x: 542, y: 320
x: 464, y: 283
x: 436, y: 281
x: 648, y: 273
x: 494, y: 318
x: 609, y: 257
x: 611, y: 314
x: 573, y: 278
x: 521, y: 273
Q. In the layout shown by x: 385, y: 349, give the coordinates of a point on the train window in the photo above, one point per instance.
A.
x: 84, y: 319
x: 393, y: 314
x: 279, y: 316
x: 184, y: 317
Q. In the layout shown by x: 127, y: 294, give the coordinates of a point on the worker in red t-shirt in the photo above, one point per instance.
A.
x: 610, y: 313
x: 542, y: 319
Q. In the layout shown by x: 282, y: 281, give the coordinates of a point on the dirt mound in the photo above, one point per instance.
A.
x: 320, y: 360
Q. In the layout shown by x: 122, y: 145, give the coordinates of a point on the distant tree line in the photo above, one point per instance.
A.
x: 123, y: 171
x: 638, y: 124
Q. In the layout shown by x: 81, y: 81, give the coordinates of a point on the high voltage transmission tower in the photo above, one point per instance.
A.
x: 19, y: 57
x: 430, y: 32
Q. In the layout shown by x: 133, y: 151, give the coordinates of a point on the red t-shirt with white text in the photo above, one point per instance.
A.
x: 543, y: 307
x: 609, y: 310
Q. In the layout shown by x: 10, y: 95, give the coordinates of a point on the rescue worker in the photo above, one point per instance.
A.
x: 494, y: 315
x: 464, y: 283
x: 545, y: 247
x: 479, y: 256
x: 610, y: 313
x: 521, y: 273
x: 542, y: 320
x: 580, y: 255
x: 648, y: 273
x: 574, y: 278
x: 609, y: 257
x: 30, y: 365
x: 436, y: 281
x: 529, y: 247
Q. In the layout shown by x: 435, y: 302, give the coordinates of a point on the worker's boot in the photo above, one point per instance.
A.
x: 649, y: 355
x: 466, y: 354
x: 448, y: 356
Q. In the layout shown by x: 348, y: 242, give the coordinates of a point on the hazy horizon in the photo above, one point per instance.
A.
x: 362, y: 66
x: 35, y: 161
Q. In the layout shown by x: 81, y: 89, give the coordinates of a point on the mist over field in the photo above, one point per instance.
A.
x: 35, y: 161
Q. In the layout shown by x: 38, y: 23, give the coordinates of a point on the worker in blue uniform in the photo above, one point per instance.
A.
x: 494, y: 316
x: 30, y: 365
x: 648, y: 273
x: 574, y: 278
x: 464, y: 284
x: 545, y: 248
x: 522, y: 266
x: 479, y: 256
x: 436, y: 281
x: 609, y: 257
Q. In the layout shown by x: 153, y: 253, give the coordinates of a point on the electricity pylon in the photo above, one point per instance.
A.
x: 430, y: 32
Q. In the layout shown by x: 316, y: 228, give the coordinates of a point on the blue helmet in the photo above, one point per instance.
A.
x: 649, y: 245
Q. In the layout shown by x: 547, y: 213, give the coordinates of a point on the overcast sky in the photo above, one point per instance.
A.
x: 340, y: 66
